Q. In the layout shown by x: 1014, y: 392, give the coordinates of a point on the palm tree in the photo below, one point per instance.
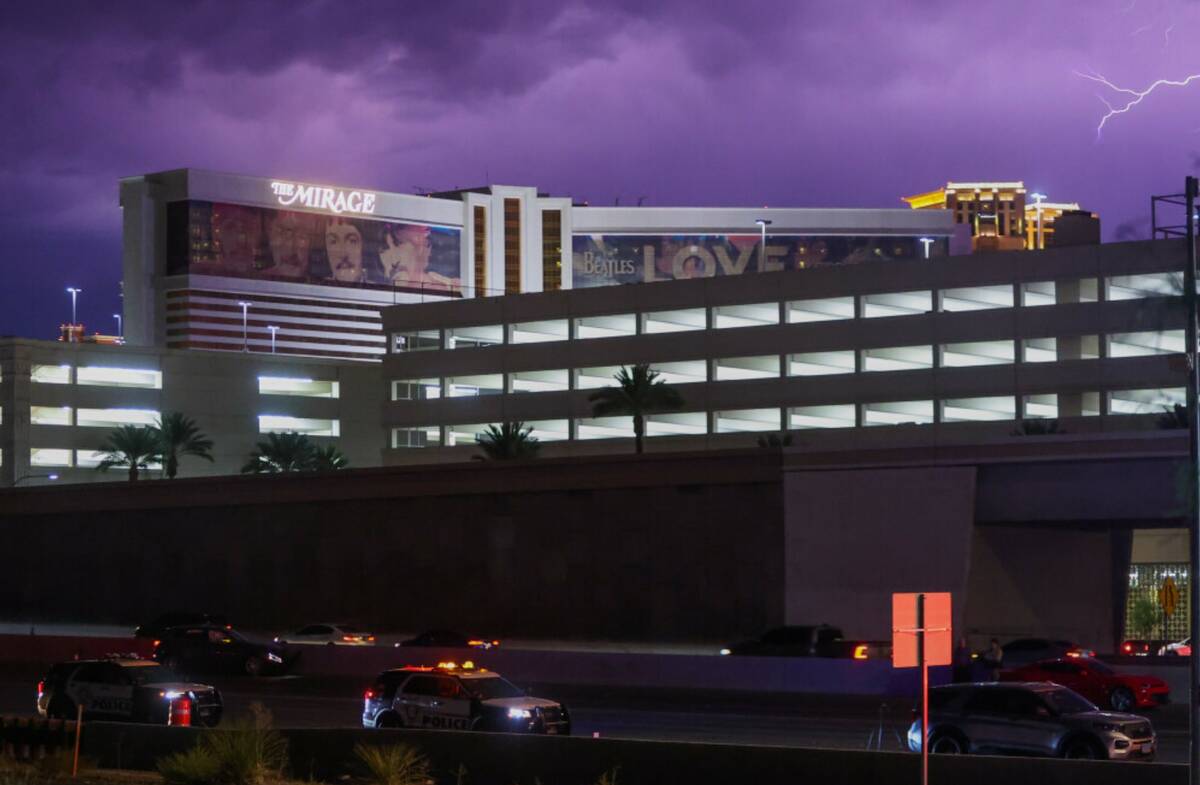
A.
x: 1175, y: 417
x: 328, y: 459
x: 281, y: 452
x: 639, y: 392
x: 511, y: 440
x: 179, y: 435
x: 773, y: 440
x: 135, y: 446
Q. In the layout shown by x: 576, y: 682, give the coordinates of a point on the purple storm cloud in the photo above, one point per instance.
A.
x: 682, y: 103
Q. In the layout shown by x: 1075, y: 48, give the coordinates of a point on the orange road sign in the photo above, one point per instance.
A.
x: 1168, y: 596
x: 937, y: 628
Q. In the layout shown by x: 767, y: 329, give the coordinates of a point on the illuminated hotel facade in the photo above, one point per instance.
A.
x: 1002, y: 216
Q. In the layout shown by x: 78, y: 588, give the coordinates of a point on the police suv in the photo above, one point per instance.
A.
x: 126, y: 690
x: 451, y: 697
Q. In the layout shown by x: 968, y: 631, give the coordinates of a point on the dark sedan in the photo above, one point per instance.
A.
x: 215, y: 649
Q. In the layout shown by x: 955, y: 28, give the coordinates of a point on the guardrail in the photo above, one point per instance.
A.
x: 31, y: 738
x: 502, y: 759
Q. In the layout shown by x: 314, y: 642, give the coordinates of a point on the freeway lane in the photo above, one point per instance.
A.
x: 773, y: 720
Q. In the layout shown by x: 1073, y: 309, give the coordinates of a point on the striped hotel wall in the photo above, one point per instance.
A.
x: 198, y: 318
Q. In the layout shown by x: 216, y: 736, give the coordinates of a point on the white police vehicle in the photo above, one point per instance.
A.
x: 126, y: 690
x: 452, y: 697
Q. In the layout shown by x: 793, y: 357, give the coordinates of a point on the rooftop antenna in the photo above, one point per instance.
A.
x: 617, y: 201
x: 640, y: 200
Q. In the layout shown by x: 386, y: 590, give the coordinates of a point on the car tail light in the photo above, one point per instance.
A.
x: 495, y: 643
x: 41, y: 688
x: 860, y: 651
x: 1127, y: 648
x: 368, y: 695
x: 156, y: 643
x: 370, y: 637
x: 348, y: 638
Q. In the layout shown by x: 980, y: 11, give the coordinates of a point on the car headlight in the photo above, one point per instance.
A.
x: 172, y: 694
x: 726, y: 652
x: 519, y: 714
x: 273, y: 657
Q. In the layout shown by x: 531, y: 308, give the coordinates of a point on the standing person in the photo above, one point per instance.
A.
x: 962, y: 662
x: 993, y: 660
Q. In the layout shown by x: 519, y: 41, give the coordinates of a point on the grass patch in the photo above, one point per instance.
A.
x: 398, y: 764
x: 246, y: 752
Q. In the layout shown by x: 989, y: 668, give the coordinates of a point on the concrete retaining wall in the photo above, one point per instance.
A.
x: 501, y: 759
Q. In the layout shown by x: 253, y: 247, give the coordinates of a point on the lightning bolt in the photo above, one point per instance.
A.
x: 1136, y: 96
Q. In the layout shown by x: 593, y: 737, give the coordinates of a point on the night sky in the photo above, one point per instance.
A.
x: 758, y: 102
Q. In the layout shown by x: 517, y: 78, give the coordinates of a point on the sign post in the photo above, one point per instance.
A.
x: 921, y: 636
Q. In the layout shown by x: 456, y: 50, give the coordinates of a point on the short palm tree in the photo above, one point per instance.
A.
x: 1175, y: 417
x: 281, y: 452
x: 179, y: 435
x: 328, y: 459
x: 132, y: 446
x: 639, y: 392
x: 511, y: 440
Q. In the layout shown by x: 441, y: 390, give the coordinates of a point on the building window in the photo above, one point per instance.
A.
x: 416, y: 341
x: 592, y: 378
x: 458, y: 435
x: 821, y: 363
x: 539, y: 381
x: 425, y: 436
x: 898, y: 358
x: 979, y: 409
x: 473, y: 337
x: 306, y: 388
x: 90, y: 459
x: 735, y: 368
x: 478, y: 384
x: 726, y: 316
x: 959, y: 355
x: 685, y: 372
x: 416, y: 389
x: 746, y: 421
x: 538, y: 332
x: 278, y: 423
x: 1155, y: 401
x: 604, y: 428
x: 549, y: 430
x: 1146, y: 343
x: 1143, y: 616
x: 896, y: 304
x: 1086, y: 404
x: 512, y: 246
x: 977, y: 298
x: 611, y: 326
x: 1048, y: 350
x: 686, y: 424
x: 119, y: 377
x: 826, y: 310
x: 898, y: 413
x: 838, y: 415
x: 50, y: 415
x: 114, y: 418
x: 51, y: 374
x: 1080, y: 290
x: 480, y: 261
x: 552, y: 252
x: 1137, y: 287
x: 46, y: 456
x: 674, y: 321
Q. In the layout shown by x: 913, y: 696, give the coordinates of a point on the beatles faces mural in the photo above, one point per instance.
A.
x: 254, y: 242
x: 602, y: 260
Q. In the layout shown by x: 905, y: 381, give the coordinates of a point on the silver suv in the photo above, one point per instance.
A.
x: 1029, y: 718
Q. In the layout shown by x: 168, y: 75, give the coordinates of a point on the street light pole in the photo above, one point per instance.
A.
x: 1039, y: 198
x: 926, y: 241
x: 120, y: 329
x: 245, y: 341
x: 763, y: 223
x: 1191, y: 187
x: 274, y: 329
x: 74, y: 297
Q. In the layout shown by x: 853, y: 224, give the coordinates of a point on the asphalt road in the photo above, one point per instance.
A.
x: 773, y: 720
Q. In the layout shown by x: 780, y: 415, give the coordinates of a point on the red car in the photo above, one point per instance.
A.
x: 1097, y: 682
